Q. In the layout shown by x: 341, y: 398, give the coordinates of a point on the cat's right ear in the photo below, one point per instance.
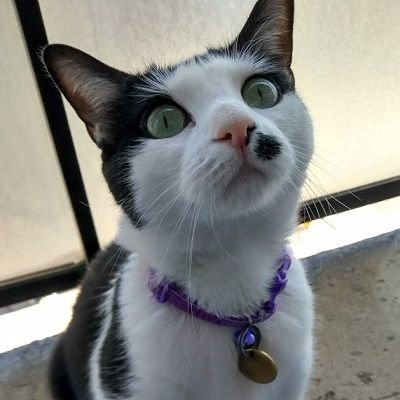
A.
x: 89, y: 85
x: 269, y: 29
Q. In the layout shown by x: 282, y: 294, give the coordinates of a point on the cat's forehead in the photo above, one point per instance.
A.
x: 210, y: 74
x: 213, y: 71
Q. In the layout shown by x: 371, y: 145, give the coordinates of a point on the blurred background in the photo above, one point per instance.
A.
x: 347, y: 68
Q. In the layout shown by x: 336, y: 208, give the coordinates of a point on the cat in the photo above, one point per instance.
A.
x: 206, y: 159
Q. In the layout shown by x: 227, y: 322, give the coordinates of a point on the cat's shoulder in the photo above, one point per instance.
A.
x: 108, y: 261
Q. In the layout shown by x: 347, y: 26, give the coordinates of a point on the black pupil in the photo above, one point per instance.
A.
x: 165, y: 121
x: 260, y: 93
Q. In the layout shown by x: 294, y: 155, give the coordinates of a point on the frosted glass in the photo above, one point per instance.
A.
x: 37, y: 229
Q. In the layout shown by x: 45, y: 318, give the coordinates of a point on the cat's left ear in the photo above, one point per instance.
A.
x: 269, y: 29
x: 89, y: 85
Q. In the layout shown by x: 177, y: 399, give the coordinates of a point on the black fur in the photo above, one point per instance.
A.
x: 59, y: 380
x: 69, y: 366
x: 267, y: 147
x: 272, y: 19
x: 127, y: 132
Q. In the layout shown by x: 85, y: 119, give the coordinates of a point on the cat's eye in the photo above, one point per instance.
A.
x: 260, y: 93
x: 166, y: 121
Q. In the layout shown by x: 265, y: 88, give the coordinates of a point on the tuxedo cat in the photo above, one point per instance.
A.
x: 206, y: 159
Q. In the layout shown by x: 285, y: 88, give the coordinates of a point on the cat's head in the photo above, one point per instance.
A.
x: 222, y: 132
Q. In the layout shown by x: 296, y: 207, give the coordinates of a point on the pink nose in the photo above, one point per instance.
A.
x: 236, y: 133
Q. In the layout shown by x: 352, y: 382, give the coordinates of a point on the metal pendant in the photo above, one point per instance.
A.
x: 258, y: 366
x: 254, y: 364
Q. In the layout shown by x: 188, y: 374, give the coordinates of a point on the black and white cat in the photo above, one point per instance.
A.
x: 206, y: 159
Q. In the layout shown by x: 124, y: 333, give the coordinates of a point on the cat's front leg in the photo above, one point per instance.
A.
x: 297, y: 375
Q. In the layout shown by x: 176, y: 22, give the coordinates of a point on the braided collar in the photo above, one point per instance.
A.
x: 174, y: 294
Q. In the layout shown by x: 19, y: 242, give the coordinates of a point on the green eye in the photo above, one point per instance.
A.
x: 260, y: 93
x: 166, y: 121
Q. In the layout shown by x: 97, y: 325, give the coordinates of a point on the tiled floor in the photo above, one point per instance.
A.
x: 357, y: 292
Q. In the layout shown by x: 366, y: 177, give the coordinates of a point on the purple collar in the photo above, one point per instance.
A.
x: 170, y: 292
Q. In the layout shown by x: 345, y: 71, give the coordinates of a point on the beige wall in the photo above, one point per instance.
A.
x: 346, y: 63
x: 37, y: 229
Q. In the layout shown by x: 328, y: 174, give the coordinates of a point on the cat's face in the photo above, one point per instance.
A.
x: 231, y: 155
x: 222, y: 133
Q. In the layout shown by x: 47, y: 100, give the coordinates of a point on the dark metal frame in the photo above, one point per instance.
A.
x: 41, y: 284
x: 69, y: 276
x: 349, y: 199
x: 34, y: 33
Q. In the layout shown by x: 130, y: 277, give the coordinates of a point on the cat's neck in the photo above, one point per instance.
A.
x: 226, y: 268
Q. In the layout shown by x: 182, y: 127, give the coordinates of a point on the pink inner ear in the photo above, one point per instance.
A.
x: 87, y: 84
x: 86, y: 92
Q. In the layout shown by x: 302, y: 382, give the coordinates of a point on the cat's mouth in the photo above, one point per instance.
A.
x: 243, y: 176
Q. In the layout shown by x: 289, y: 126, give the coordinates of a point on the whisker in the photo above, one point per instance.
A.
x: 155, y: 201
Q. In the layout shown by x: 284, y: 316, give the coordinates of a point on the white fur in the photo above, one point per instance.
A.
x: 94, y: 362
x: 216, y: 225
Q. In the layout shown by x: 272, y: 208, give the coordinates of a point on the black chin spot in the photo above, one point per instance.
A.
x: 267, y: 147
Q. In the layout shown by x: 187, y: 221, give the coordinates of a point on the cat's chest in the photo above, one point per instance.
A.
x: 174, y: 356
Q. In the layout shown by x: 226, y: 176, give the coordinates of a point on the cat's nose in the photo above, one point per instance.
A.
x: 236, y: 133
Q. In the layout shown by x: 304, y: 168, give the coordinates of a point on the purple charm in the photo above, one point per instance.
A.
x: 249, y: 339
